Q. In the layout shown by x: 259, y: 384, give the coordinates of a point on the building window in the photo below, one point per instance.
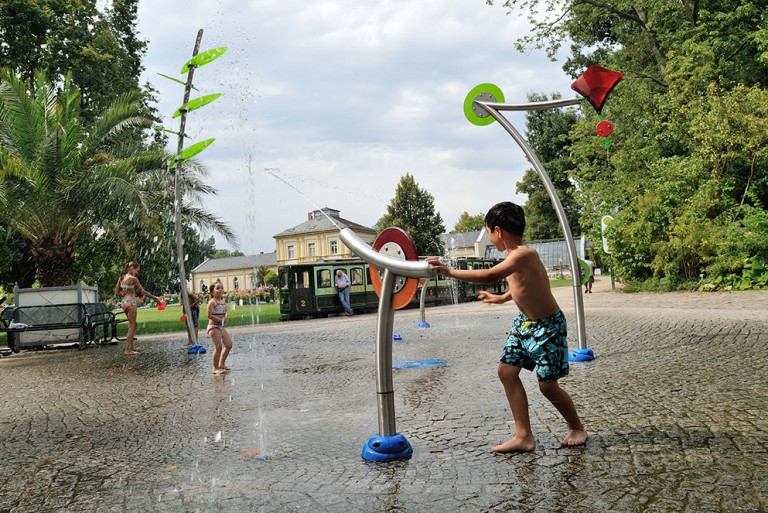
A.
x: 291, y: 252
x: 311, y: 249
x: 334, y: 247
x: 236, y: 283
x: 324, y: 278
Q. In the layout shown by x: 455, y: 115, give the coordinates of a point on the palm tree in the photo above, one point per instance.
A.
x: 62, y: 180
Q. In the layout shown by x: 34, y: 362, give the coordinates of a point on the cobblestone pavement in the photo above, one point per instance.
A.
x: 675, y: 403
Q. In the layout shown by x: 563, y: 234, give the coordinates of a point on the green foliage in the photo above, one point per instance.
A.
x: 413, y: 210
x: 99, y: 50
x: 548, y: 133
x: 685, y: 175
x: 468, y: 223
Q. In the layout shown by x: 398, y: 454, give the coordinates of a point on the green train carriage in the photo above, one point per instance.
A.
x: 308, y: 290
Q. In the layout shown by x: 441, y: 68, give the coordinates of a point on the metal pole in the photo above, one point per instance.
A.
x: 423, y: 301
x: 493, y: 109
x: 179, y: 196
x: 385, y: 393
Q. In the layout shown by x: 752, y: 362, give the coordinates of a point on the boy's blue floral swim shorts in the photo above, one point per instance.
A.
x: 541, y: 344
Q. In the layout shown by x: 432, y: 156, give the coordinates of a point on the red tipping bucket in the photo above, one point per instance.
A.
x: 161, y: 305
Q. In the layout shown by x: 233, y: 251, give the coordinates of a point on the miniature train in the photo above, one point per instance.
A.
x: 308, y: 290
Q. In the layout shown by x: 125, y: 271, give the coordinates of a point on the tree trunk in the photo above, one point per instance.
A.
x: 55, y: 263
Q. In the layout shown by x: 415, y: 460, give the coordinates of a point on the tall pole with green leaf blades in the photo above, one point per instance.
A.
x: 176, y: 164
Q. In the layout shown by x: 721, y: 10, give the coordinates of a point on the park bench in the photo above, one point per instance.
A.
x: 102, y: 323
x: 47, y: 318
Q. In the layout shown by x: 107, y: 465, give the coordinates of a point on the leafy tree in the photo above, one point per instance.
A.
x: 60, y: 178
x: 226, y: 253
x: 547, y: 131
x: 413, y: 210
x: 682, y: 177
x: 64, y: 182
x: 16, y: 266
x: 99, y: 50
x: 261, y: 274
x: 468, y: 223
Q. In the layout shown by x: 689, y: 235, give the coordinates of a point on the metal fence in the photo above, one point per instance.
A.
x: 553, y: 253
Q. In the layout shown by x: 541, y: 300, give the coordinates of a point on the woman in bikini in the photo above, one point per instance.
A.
x: 222, y: 342
x: 126, y: 289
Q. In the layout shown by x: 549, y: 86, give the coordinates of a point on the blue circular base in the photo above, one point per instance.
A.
x: 423, y: 324
x: 387, y: 448
x: 397, y: 336
x: 196, y: 349
x: 581, y: 355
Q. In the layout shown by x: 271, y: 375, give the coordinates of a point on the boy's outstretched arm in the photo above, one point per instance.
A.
x: 495, y: 273
x: 487, y: 297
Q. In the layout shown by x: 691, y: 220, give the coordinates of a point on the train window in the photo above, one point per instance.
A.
x: 356, y: 275
x: 302, y: 279
x: 324, y: 278
x: 368, y: 279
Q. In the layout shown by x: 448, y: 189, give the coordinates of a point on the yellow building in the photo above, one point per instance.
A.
x: 317, y: 238
x: 236, y: 273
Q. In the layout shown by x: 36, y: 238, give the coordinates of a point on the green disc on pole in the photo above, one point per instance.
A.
x: 196, y: 104
x: 201, y: 59
x: 585, y: 268
x: 486, y: 93
x: 190, y: 152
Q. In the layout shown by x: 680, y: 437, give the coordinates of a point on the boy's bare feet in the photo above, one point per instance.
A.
x: 131, y: 353
x: 527, y: 444
x: 218, y: 372
x: 575, y: 437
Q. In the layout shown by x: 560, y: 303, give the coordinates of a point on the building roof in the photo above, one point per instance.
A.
x: 239, y: 262
x: 323, y: 220
x: 460, y: 240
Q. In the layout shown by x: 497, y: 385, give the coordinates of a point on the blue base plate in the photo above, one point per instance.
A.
x: 581, y: 355
x: 387, y: 448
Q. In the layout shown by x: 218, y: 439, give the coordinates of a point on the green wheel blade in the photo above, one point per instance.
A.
x: 162, y: 129
x: 485, y: 92
x: 193, y: 150
x: 178, y: 81
x: 196, y: 104
x: 201, y: 59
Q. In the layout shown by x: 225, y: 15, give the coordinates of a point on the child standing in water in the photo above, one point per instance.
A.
x: 537, y: 338
x: 127, y: 286
x: 222, y: 342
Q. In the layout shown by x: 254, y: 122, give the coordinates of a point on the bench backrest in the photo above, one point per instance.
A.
x: 73, y: 313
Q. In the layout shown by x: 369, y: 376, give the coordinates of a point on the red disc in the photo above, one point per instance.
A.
x: 400, y: 240
x: 604, y: 128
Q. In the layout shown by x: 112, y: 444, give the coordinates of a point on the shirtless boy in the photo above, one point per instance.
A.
x: 537, y: 338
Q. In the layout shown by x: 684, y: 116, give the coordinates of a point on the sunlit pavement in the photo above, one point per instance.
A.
x: 675, y: 403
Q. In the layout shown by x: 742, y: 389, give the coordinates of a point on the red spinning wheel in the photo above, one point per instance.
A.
x: 395, y: 243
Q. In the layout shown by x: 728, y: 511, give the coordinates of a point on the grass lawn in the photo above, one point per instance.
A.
x: 152, y: 320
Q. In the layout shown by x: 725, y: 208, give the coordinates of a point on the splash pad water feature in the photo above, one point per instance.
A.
x: 484, y: 105
x: 395, y: 255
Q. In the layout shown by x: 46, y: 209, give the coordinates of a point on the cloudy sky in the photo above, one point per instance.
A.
x: 341, y: 98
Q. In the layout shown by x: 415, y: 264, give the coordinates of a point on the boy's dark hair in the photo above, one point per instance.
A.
x: 507, y: 216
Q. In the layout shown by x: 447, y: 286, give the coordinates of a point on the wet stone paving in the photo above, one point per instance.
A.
x: 675, y: 404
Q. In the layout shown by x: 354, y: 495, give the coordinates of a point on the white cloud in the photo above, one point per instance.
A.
x: 344, y: 97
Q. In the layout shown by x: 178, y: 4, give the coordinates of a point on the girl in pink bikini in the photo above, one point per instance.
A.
x: 126, y: 289
x: 222, y: 342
